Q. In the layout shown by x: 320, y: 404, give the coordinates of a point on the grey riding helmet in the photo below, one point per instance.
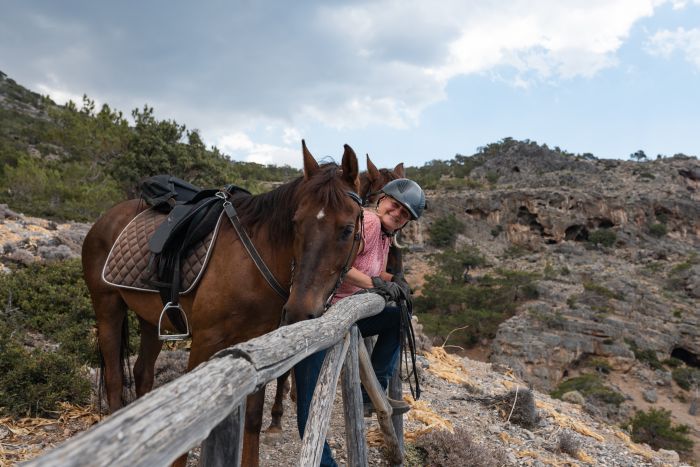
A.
x: 408, y: 193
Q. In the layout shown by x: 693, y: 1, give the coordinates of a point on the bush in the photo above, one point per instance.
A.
x: 444, y: 231
x: 33, y: 383
x: 442, y: 448
x: 657, y: 230
x: 52, y: 300
x: 591, y: 387
x: 655, y: 429
x: 647, y: 356
x: 482, y: 304
x: 686, y: 377
x: 605, y: 237
x: 602, y: 291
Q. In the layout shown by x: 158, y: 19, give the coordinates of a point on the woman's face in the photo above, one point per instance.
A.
x: 392, y: 214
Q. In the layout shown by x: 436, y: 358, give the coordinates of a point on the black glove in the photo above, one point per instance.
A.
x: 399, y: 280
x: 389, y: 290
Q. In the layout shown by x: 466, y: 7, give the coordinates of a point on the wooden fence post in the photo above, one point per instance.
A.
x: 395, y: 392
x: 224, y: 445
x: 355, y: 443
x: 322, y: 404
x: 381, y: 405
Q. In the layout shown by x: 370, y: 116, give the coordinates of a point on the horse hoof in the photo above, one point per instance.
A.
x: 273, y: 430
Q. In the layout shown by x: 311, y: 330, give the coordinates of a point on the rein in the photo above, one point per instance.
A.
x: 260, y: 264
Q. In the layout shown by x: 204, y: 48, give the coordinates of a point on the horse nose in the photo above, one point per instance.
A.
x: 290, y: 315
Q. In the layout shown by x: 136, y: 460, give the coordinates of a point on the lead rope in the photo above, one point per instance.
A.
x: 408, y: 339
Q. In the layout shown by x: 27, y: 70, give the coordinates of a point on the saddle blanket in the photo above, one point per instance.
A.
x: 127, y: 263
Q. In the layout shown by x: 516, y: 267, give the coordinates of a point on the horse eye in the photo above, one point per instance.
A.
x: 347, y: 231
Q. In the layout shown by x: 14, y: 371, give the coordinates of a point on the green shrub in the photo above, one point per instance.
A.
x: 657, y: 230
x: 686, y: 377
x: 442, y: 448
x: 449, y: 302
x: 52, y: 299
x: 647, y: 356
x: 601, y: 365
x: 444, y: 231
x: 602, y: 291
x: 492, y: 177
x: 655, y: 429
x: 590, y: 386
x: 605, y: 237
x: 33, y: 383
x: 673, y: 362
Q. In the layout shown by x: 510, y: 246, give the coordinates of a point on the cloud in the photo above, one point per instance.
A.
x: 665, y: 43
x: 240, y: 147
x: 247, y: 66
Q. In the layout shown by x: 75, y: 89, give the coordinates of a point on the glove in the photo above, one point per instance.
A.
x: 399, y: 280
x: 389, y: 290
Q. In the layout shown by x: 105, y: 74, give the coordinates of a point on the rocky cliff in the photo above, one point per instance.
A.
x: 615, y: 244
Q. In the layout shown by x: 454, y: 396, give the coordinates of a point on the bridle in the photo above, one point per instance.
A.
x: 230, y: 211
x: 357, y: 237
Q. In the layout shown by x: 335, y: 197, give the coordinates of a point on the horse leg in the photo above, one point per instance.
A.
x: 110, y: 312
x: 253, y: 423
x: 144, y: 368
x: 278, y: 407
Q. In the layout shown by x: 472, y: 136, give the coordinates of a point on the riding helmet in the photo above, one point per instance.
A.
x: 408, y: 193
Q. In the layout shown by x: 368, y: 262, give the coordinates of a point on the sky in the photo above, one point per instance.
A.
x: 403, y: 81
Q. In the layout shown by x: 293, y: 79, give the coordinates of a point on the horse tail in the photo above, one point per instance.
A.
x: 128, y: 382
x: 129, y: 392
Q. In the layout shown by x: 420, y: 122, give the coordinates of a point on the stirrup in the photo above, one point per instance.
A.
x: 173, y: 337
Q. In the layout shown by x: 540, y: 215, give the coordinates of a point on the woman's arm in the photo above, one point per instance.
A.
x: 360, y: 279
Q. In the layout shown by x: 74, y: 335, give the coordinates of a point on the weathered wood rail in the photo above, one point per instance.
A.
x: 207, y: 404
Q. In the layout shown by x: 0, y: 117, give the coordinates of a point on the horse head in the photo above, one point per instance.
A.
x: 327, y: 225
x: 374, y: 179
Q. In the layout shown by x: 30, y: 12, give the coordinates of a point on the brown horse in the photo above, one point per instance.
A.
x: 371, y: 182
x: 307, y: 226
x: 374, y: 180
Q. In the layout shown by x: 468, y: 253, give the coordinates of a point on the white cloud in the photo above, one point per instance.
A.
x: 665, y: 43
x: 240, y: 147
x: 379, y: 63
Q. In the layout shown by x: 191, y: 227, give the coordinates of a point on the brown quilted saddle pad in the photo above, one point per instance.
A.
x: 127, y: 263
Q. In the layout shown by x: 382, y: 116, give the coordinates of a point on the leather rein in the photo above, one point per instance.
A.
x: 232, y: 214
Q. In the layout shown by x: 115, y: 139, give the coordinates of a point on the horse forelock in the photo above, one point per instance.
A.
x: 327, y: 188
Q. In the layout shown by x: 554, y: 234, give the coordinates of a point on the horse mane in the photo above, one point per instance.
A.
x: 275, y: 209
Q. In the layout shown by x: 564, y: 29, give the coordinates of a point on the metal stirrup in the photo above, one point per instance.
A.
x: 173, y: 337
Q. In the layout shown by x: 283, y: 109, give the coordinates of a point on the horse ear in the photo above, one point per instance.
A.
x: 372, y: 171
x: 310, y: 164
x: 351, y: 170
x: 398, y: 170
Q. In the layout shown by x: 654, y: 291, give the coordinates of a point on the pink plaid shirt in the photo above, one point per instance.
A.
x: 372, y: 259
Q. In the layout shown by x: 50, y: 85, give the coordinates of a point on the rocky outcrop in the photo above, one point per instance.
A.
x: 641, y: 290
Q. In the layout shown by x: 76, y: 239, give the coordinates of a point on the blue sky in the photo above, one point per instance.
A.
x: 405, y: 81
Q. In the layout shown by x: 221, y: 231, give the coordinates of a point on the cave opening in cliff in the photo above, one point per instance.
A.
x: 577, y: 233
x: 685, y: 355
x: 604, y: 223
x: 525, y: 217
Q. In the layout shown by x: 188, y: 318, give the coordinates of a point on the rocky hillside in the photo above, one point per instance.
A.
x: 615, y: 245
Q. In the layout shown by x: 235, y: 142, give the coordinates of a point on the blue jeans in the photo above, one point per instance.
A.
x: 385, y: 356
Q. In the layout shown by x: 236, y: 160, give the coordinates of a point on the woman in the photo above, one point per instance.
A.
x: 403, y: 200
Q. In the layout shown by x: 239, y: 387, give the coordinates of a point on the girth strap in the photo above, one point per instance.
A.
x: 252, y: 252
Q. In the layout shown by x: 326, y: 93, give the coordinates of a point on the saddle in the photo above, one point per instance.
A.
x: 178, y: 242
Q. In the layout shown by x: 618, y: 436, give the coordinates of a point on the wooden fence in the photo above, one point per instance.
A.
x: 207, y: 405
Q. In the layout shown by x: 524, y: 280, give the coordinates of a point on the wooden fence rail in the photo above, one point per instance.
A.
x: 207, y: 404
